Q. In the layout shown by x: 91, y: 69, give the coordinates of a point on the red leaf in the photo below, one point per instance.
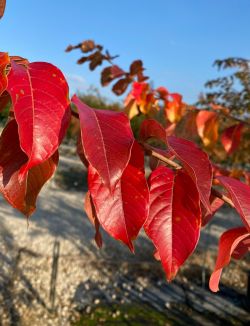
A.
x: 139, y: 91
x: 242, y: 248
x: 123, y: 212
x: 21, y: 195
x: 240, y: 194
x: 230, y: 138
x: 196, y: 163
x: 4, y: 61
x: 215, y: 204
x: 19, y: 60
x: 107, y: 141
x: 228, y: 244
x: 174, y: 217
x: 40, y: 101
x: 152, y: 129
x: 91, y: 213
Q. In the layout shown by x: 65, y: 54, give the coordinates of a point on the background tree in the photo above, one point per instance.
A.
x: 231, y: 91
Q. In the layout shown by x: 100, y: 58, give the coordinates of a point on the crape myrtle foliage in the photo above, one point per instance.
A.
x: 172, y: 204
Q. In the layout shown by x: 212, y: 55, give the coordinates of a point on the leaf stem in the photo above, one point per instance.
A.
x: 164, y: 159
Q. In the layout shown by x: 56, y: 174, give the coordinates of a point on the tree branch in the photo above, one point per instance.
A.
x: 177, y: 166
x: 174, y: 165
x: 162, y: 158
x: 227, y: 200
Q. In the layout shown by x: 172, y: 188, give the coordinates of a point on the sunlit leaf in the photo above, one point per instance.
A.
x: 123, y: 212
x: 107, y: 140
x: 196, y: 163
x: 207, y: 127
x: 40, y: 102
x: 174, y: 217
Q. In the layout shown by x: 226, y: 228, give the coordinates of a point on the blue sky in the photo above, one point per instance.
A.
x: 178, y: 40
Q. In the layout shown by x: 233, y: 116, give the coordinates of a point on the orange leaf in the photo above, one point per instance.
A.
x: 174, y: 109
x: 207, y: 127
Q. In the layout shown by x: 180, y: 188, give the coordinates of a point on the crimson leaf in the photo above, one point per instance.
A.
x: 174, y: 220
x: 240, y: 195
x: 21, y: 195
x: 123, y: 212
x: 197, y: 165
x: 107, y: 140
x: 40, y: 101
x: 228, y: 245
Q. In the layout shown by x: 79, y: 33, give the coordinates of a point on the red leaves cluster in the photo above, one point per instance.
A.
x: 29, y: 142
x: 119, y: 199
x: 171, y: 205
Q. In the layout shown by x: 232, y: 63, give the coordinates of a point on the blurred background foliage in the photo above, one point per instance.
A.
x: 232, y: 90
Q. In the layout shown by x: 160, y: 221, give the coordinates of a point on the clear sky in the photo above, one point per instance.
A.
x: 178, y: 40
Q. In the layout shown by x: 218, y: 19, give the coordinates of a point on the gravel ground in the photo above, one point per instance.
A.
x: 51, y: 270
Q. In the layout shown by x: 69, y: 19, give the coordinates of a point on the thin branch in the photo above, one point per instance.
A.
x: 227, y: 200
x: 164, y: 159
x: 177, y: 166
